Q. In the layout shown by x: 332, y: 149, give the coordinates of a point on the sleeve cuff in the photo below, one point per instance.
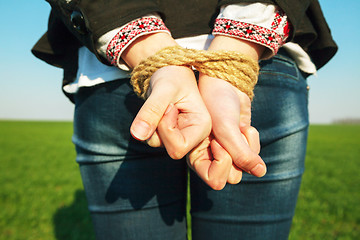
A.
x: 129, y: 33
x: 271, y: 32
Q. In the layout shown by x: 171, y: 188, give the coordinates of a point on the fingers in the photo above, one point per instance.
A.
x: 199, y: 158
x: 242, y: 154
x: 235, y: 175
x: 252, y: 137
x: 174, y: 113
x: 162, y: 91
x: 220, y: 166
x: 211, y: 163
x: 180, y: 132
x: 243, y: 146
x: 230, y: 111
x: 170, y: 134
x: 154, y: 140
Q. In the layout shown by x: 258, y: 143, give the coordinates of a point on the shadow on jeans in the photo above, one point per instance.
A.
x: 73, y: 222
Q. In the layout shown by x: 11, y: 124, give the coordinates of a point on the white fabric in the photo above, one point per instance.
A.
x: 301, y: 58
x: 259, y: 14
x: 92, y: 72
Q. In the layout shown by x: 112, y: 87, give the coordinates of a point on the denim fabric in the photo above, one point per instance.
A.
x: 138, y: 192
x: 133, y: 191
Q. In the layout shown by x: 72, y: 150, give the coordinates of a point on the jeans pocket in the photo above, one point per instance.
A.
x: 281, y: 71
x: 280, y: 104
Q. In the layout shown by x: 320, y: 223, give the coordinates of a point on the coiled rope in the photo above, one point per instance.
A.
x: 233, y: 67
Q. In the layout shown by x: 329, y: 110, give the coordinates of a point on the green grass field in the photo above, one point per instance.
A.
x: 41, y: 194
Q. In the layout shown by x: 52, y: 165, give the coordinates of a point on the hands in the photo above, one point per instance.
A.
x: 176, y: 116
x: 180, y: 115
x: 173, y: 98
x: 173, y: 114
x: 234, y: 145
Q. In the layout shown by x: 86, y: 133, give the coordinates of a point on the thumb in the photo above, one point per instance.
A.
x: 148, y: 117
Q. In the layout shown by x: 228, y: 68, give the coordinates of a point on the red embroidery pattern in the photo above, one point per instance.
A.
x: 281, y: 22
x: 130, y: 32
x: 261, y: 35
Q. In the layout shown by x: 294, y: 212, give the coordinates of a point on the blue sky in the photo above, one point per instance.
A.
x: 31, y: 89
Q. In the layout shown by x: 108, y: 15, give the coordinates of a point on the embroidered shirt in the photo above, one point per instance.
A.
x: 261, y: 23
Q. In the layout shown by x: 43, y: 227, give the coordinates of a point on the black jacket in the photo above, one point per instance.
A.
x: 81, y: 22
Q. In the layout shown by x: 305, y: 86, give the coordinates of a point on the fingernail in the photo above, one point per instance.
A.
x: 140, y: 130
x: 259, y: 170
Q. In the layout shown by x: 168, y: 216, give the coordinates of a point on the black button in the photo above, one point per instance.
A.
x: 78, y: 22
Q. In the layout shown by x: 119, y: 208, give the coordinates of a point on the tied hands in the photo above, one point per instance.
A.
x: 210, y: 122
x: 233, y: 145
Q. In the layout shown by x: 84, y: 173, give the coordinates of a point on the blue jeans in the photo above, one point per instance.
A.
x: 138, y: 192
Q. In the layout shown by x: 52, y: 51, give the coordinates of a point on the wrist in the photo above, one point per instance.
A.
x: 146, y: 46
x: 248, y: 48
x: 181, y: 76
x: 211, y: 86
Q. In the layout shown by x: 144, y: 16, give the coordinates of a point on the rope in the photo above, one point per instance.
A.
x: 233, y: 67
